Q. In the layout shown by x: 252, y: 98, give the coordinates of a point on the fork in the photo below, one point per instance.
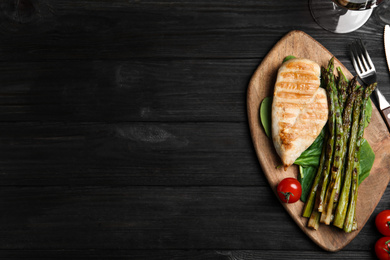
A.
x: 366, y: 71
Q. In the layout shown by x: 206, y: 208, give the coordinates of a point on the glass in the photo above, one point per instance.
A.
x: 342, y: 16
x: 382, y: 13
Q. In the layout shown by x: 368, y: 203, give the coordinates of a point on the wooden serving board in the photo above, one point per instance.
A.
x: 301, y: 45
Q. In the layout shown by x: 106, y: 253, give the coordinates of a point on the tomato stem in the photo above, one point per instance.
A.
x: 286, y: 195
x: 388, y: 247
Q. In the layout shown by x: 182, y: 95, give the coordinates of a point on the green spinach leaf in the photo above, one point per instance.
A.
x: 306, y: 178
x: 266, y: 115
x: 289, y: 57
x: 311, y: 156
x: 367, y: 157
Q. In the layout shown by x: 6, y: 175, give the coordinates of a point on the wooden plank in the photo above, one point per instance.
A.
x: 138, y: 90
x: 301, y: 45
x: 76, y: 218
x: 127, y: 154
x: 182, y: 254
x: 54, y: 30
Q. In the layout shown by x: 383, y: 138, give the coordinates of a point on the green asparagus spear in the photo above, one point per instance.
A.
x: 332, y: 94
x: 347, y: 117
x: 350, y: 220
x: 314, y: 220
x: 342, y: 124
x: 352, y: 86
x: 308, y: 208
x: 341, y: 209
x: 342, y: 86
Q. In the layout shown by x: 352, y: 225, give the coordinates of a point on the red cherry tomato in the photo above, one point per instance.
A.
x: 382, y: 222
x: 289, y: 190
x: 382, y: 248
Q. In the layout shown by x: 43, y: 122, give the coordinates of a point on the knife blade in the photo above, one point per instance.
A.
x: 386, y: 39
x: 384, y: 106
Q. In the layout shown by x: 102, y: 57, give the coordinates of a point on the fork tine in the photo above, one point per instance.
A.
x: 362, y: 62
x: 366, y: 55
x: 363, y: 54
x: 361, y: 59
x: 355, y: 65
x: 355, y: 59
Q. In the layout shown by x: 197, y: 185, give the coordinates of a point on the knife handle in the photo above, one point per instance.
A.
x: 386, y: 116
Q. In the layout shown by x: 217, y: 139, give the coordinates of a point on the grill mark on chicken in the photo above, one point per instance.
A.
x: 297, y: 87
x: 318, y: 106
x: 299, y: 76
x: 287, y: 115
x: 289, y: 105
x: 288, y: 138
x: 291, y: 95
x: 300, y: 66
x: 314, y: 116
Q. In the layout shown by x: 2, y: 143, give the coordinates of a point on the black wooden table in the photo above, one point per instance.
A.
x: 124, y: 133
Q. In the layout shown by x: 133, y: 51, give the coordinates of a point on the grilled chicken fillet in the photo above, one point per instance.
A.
x: 299, y: 108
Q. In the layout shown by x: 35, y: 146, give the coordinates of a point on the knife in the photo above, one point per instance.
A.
x: 384, y: 106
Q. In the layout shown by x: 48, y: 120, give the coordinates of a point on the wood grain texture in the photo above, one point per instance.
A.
x: 141, y: 90
x: 301, y: 45
x: 154, y: 218
x: 128, y: 153
x: 181, y: 254
x: 124, y: 133
x: 136, y: 90
x: 141, y: 218
x: 122, y: 30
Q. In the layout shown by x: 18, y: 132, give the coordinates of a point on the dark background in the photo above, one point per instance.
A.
x: 124, y: 133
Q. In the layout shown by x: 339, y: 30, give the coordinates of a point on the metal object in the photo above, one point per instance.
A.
x: 386, y: 39
x: 366, y: 70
